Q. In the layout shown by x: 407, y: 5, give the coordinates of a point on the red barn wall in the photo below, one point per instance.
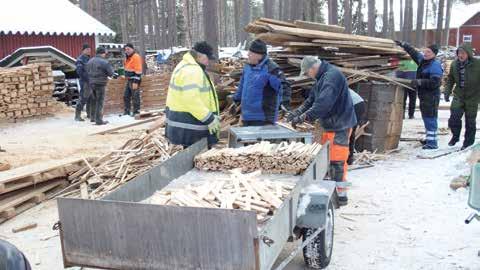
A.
x: 68, y: 44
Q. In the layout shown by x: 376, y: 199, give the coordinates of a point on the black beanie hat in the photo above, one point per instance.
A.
x: 85, y: 46
x: 130, y: 45
x: 205, y: 48
x: 434, y: 48
x: 258, y: 46
x: 101, y: 50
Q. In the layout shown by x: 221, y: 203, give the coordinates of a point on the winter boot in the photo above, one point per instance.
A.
x: 453, y: 141
x: 78, y: 114
x: 101, y: 123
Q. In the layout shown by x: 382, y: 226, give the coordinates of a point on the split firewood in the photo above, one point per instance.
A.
x: 240, y: 191
x: 24, y: 227
x: 283, y: 158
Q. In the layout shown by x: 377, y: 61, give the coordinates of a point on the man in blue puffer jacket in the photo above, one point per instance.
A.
x: 262, y: 89
x: 427, y: 83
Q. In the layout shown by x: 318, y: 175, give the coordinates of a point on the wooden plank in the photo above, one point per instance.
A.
x: 348, y: 42
x: 273, y: 21
x: 137, y: 123
x: 24, y: 227
x: 25, y: 176
x: 315, y: 34
x: 319, y: 26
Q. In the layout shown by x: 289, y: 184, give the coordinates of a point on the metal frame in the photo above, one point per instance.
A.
x: 120, y: 232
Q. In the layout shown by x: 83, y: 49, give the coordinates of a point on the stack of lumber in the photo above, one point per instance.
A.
x: 24, y: 187
x: 240, y: 191
x: 117, y: 167
x: 283, y: 158
x: 26, y: 91
x: 154, y: 89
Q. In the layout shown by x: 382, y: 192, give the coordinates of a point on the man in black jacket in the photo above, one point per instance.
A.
x: 85, y: 91
x: 99, y: 69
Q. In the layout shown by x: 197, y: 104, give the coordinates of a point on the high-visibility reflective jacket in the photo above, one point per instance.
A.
x: 191, y: 104
x: 133, y: 67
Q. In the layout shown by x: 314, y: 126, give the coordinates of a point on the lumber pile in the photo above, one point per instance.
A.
x: 282, y: 158
x: 239, y: 191
x: 107, y: 173
x: 154, y: 89
x: 24, y: 187
x: 26, y: 91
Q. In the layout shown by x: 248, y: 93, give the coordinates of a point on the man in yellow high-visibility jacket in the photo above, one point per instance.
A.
x: 192, y: 104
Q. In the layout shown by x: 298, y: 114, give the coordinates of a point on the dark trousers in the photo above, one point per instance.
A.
x: 84, y: 99
x: 412, y: 99
x: 256, y: 123
x: 361, y: 114
x: 98, y: 94
x: 457, y: 110
x: 130, y: 94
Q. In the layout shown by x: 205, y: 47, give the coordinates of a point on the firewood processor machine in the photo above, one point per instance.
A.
x: 119, y: 231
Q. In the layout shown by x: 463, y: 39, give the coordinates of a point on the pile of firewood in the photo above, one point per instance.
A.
x: 26, y: 91
x: 283, y: 158
x: 240, y: 191
x: 110, y: 171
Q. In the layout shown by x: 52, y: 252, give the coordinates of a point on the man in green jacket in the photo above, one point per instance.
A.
x: 464, y: 82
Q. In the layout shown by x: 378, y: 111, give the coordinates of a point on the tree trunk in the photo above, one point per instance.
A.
x: 221, y: 33
x: 333, y: 12
x: 280, y: 9
x: 151, y: 36
x: 371, y: 18
x: 268, y: 8
x: 391, y: 21
x: 172, y: 22
x: 244, y: 19
x: 84, y: 5
x: 385, y: 19
x: 236, y: 11
x: 419, y: 28
x: 124, y: 19
x: 313, y: 9
x: 140, y: 7
x: 347, y: 17
x: 446, y: 31
x: 438, y: 34
x: 211, y: 24
x: 188, y: 25
x: 408, y: 21
x: 401, y: 16
x: 426, y: 23
x: 296, y: 10
x: 157, y: 24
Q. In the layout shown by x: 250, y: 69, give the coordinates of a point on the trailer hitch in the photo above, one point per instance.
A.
x: 471, y: 217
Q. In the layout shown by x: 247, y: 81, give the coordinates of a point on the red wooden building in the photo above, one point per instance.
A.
x: 56, y: 23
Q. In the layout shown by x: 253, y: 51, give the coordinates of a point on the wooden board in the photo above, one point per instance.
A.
x: 319, y: 26
x: 29, y: 175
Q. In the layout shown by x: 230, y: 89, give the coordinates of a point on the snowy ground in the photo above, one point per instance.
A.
x: 402, y: 215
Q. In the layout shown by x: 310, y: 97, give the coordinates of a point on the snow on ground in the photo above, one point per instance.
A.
x: 401, y: 215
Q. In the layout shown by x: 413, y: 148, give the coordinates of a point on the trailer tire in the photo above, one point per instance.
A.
x: 317, y: 254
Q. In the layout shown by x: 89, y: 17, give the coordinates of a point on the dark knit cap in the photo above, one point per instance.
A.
x: 434, y: 48
x: 258, y: 46
x: 85, y: 46
x: 130, y: 45
x: 101, y: 50
x: 205, y: 48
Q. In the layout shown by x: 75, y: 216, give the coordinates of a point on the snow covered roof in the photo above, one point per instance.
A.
x: 48, y: 17
x: 461, y: 13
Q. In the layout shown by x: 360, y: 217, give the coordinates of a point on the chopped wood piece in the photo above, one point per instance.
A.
x: 24, y: 227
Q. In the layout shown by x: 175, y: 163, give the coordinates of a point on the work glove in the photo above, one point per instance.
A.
x: 400, y: 43
x: 115, y: 75
x: 214, y: 126
x: 446, y: 97
x: 298, y: 120
x: 416, y: 83
x: 291, y: 114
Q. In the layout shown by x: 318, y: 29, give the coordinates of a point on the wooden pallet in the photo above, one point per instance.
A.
x: 19, y: 201
x: 26, y: 176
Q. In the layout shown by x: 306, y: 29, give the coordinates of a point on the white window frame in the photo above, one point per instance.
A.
x: 467, y: 38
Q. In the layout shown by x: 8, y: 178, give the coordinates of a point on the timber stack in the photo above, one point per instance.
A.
x: 26, y: 91
x: 282, y: 158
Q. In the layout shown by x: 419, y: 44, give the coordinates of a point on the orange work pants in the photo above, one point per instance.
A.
x: 339, y: 150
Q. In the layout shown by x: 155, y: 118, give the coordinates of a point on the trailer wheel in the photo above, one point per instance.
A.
x: 317, y: 254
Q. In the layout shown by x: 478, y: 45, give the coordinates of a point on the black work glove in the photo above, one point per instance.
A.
x: 400, y: 43
x: 416, y: 83
x: 298, y: 119
x: 446, y: 97
x: 290, y: 115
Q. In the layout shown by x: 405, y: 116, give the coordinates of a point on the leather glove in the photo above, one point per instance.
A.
x: 290, y: 115
x: 298, y: 119
x: 214, y: 126
x: 446, y: 97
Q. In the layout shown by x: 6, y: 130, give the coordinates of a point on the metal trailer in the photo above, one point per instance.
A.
x: 120, y: 232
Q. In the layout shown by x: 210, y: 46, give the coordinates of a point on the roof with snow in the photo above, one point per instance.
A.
x: 461, y: 13
x: 53, y: 17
